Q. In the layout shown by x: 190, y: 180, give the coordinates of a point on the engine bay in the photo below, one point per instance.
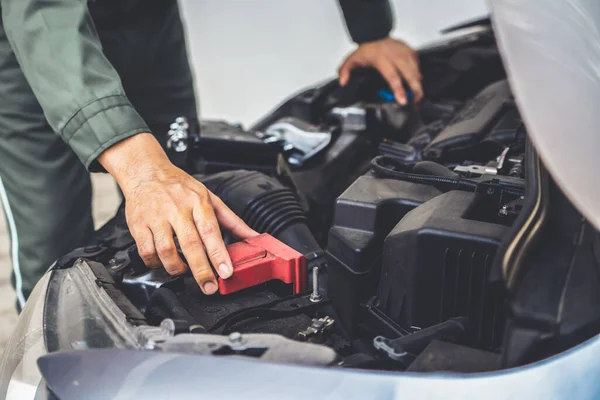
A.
x: 398, y: 213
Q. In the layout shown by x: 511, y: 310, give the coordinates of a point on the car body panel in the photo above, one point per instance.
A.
x: 124, y: 374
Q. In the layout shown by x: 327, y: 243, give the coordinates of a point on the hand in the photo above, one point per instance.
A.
x: 394, y: 60
x: 162, y: 200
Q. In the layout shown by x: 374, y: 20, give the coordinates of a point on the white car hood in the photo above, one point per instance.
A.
x: 551, y: 50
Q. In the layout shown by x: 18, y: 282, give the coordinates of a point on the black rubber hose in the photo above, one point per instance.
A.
x: 432, y: 168
x: 166, y: 300
x: 386, y: 167
x: 266, y: 205
x: 407, y: 347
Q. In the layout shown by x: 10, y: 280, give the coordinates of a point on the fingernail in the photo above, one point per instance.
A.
x: 210, y: 288
x: 225, y: 270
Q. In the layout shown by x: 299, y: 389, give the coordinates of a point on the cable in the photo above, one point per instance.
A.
x: 385, y: 167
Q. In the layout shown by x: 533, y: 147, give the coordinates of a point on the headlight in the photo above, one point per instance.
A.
x: 19, y: 374
x: 69, y: 309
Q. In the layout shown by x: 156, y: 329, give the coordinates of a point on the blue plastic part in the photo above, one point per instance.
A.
x: 386, y: 95
x: 389, y: 97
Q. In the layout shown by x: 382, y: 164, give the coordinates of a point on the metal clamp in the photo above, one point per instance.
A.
x: 317, y: 327
x: 476, y: 170
x: 300, y: 141
x: 353, y: 118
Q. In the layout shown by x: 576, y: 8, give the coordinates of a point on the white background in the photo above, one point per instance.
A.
x: 248, y: 55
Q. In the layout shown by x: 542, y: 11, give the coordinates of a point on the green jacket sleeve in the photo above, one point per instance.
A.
x: 367, y: 20
x: 59, y: 51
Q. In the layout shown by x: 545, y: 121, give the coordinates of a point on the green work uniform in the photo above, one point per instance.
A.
x: 76, y: 77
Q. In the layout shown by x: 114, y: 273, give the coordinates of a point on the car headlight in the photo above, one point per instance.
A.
x: 19, y: 374
x: 69, y: 308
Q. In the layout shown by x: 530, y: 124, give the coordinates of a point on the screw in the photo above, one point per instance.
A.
x: 235, y: 338
x: 315, y: 297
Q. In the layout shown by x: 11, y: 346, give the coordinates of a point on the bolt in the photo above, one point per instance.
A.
x: 113, y: 263
x: 315, y: 297
x: 235, y: 338
x: 168, y: 325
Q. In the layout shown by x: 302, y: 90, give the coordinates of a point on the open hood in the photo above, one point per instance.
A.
x: 551, y: 50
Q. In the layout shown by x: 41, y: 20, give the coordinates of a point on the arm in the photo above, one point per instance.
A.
x: 369, y: 23
x: 82, y: 97
x: 61, y: 56
x: 367, y: 20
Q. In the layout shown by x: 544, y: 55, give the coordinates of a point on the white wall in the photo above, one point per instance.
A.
x: 248, y: 55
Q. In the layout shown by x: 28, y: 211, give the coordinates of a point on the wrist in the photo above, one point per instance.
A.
x: 135, y: 159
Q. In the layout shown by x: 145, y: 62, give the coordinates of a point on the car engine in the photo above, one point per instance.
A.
x: 397, y: 211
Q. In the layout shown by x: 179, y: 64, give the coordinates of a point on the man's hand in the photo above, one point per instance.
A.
x: 162, y: 200
x: 394, y: 60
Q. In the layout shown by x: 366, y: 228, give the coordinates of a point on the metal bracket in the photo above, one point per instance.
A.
x: 300, y: 141
x: 262, y: 346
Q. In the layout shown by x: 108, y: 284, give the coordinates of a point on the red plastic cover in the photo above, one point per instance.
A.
x: 261, y: 259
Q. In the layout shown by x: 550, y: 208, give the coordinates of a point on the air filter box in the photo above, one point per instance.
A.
x: 364, y: 214
x: 436, y: 263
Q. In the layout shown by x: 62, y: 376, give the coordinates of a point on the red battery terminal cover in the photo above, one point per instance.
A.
x: 261, y: 259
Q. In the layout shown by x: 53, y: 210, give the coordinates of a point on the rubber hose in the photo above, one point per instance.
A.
x: 166, y: 299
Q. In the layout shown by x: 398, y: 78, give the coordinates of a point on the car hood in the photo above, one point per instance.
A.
x: 551, y: 50
x: 130, y: 374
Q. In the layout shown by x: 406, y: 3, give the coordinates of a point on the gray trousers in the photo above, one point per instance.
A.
x: 44, y: 189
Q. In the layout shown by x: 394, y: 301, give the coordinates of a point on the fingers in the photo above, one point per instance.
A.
x: 193, y: 249
x: 229, y: 220
x: 389, y: 72
x: 394, y: 60
x: 166, y: 249
x: 346, y: 69
x: 409, y: 69
x: 145, y: 244
x: 207, y: 226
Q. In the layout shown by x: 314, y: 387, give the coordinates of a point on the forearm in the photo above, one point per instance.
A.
x: 134, y: 160
x: 61, y: 56
x: 367, y: 20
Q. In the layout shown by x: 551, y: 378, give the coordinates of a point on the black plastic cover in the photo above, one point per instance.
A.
x: 451, y: 357
x: 322, y: 181
x: 364, y: 214
x: 473, y: 122
x: 222, y: 146
x: 436, y: 263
